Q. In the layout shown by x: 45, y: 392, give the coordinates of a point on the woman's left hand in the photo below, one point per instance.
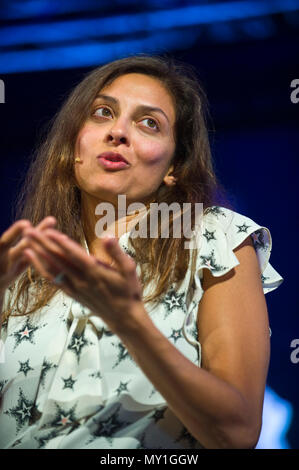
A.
x: 111, y: 293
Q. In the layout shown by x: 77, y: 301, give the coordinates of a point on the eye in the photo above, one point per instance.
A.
x: 102, y: 108
x: 152, y: 121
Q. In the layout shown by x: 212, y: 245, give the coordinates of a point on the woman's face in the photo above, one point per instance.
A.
x: 144, y: 137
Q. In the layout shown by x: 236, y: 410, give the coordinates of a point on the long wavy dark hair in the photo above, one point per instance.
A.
x: 50, y: 187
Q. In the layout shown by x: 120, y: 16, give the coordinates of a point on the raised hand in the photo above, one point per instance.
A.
x: 12, y: 246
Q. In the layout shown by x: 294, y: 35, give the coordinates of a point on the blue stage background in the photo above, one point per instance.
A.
x: 246, y: 55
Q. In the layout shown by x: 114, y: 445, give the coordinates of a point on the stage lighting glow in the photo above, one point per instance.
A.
x: 277, y: 417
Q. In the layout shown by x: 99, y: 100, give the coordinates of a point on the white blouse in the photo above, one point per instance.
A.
x: 67, y: 381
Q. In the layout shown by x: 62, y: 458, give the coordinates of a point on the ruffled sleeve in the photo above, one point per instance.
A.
x: 223, y: 230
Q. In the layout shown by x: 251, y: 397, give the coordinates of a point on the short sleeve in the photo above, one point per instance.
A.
x: 222, y: 231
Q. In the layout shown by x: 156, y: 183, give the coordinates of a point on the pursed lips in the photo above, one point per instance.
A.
x: 113, y: 157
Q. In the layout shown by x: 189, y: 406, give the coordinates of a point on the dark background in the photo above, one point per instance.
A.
x: 246, y: 55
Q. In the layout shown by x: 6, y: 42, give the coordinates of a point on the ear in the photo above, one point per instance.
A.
x: 168, y: 179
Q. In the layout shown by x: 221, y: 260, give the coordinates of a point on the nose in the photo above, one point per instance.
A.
x: 117, y: 135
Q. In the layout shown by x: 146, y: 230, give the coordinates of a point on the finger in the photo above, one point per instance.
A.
x: 39, y: 264
x: 72, y: 250
x: 34, y: 258
x: 47, y: 249
x: 125, y: 263
x: 13, y: 233
x: 86, y: 266
x: 49, y: 221
x: 54, y: 255
x: 17, y: 250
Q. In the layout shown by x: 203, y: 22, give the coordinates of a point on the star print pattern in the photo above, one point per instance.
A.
x: 42, y: 441
x: 215, y: 210
x: 85, y: 387
x: 210, y: 262
x: 158, y: 414
x: 25, y: 333
x: 153, y: 391
x: 106, y: 427
x: 264, y: 278
x: 25, y: 367
x: 2, y: 385
x: 69, y: 383
x: 173, y: 300
x: 22, y: 411
x: 64, y: 417
x: 78, y: 342
x: 243, y: 228
x: 258, y: 240
x: 46, y: 367
x: 123, y: 387
x: 209, y: 235
x: 122, y: 354
x: 175, y: 335
x: 96, y: 375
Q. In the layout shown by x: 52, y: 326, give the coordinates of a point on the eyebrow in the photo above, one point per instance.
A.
x: 141, y: 107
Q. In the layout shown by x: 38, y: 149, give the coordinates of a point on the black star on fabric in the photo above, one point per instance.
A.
x: 78, y: 342
x: 215, y: 210
x: 69, y: 383
x: 258, y: 239
x: 172, y: 300
x: 243, y: 228
x: 46, y: 366
x: 122, y: 387
x: 152, y: 392
x: 209, y: 235
x: 96, y: 375
x: 122, y: 354
x: 106, y: 428
x: 263, y: 278
x: 2, y: 384
x: 24, y: 367
x: 22, y: 412
x: 42, y: 441
x: 158, y: 414
x: 210, y: 262
x: 176, y: 334
x: 25, y: 333
x: 63, y: 417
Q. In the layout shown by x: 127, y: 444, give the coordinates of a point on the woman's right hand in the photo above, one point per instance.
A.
x: 12, y: 245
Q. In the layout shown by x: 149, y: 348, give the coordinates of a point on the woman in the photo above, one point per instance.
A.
x: 131, y: 342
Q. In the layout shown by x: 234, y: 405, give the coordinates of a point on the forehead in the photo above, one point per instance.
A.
x: 142, y: 88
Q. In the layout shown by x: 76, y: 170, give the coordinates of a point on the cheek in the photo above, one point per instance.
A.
x: 86, y: 139
x: 152, y: 153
